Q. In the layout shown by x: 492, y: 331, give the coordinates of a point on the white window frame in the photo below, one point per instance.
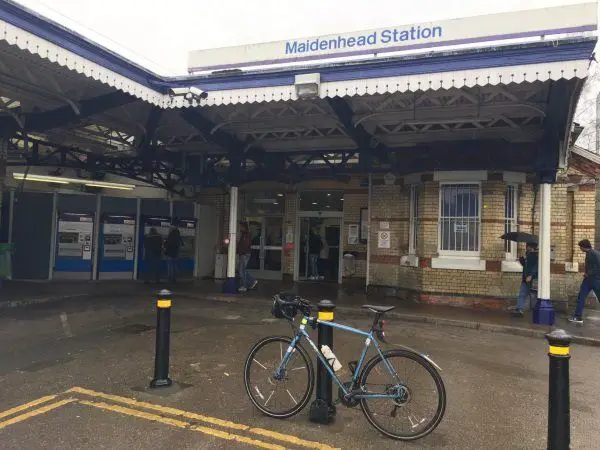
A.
x: 511, y: 254
x: 454, y: 253
x: 413, y: 218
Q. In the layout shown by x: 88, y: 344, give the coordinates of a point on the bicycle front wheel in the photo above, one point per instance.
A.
x: 283, y: 397
x: 419, y: 396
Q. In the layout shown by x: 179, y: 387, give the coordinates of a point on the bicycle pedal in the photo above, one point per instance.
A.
x: 352, y: 366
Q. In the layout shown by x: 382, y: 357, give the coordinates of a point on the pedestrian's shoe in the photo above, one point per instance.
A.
x: 321, y: 278
x: 242, y: 289
x: 576, y: 320
x: 516, y: 313
x: 254, y: 284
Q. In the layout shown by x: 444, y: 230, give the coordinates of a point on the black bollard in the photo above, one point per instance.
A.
x: 559, y: 418
x: 163, y: 337
x: 322, y: 409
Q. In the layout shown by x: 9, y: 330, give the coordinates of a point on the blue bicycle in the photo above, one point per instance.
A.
x: 400, y: 391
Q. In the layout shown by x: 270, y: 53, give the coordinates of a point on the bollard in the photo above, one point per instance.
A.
x: 322, y: 409
x: 559, y: 419
x: 163, y: 334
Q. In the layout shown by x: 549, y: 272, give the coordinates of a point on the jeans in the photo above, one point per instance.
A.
x: 172, y: 268
x: 247, y: 280
x: 524, y: 293
x: 584, y: 291
x: 153, y: 268
x: 314, y: 264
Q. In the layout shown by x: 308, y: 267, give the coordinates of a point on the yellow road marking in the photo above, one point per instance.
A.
x: 180, y: 424
x: 36, y: 412
x: 163, y: 409
x: 16, y: 409
x: 206, y: 419
x: 136, y: 413
x: 291, y: 439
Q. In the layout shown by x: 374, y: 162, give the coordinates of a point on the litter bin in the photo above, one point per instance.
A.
x: 5, y: 261
x: 349, y: 265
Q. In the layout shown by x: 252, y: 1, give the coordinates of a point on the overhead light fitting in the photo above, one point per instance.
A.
x: 307, y: 85
x: 64, y: 180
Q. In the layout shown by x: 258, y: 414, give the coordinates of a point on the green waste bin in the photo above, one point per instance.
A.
x: 5, y: 261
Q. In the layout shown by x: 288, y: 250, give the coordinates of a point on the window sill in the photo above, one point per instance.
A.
x: 458, y: 263
x: 410, y: 260
x: 512, y: 266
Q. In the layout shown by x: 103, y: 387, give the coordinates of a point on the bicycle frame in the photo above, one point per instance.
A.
x: 370, y: 338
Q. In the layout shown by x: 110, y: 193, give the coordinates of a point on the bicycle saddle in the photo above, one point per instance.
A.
x: 378, y: 309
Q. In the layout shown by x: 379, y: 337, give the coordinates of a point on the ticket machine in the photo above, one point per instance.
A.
x: 74, y: 246
x: 117, y: 244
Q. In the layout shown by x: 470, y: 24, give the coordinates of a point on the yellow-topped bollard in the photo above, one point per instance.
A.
x: 322, y: 409
x: 163, y: 340
x: 559, y: 414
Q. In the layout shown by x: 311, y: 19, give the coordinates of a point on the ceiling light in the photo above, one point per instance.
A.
x: 314, y: 203
x: 329, y: 194
x: 280, y: 195
x: 64, y: 180
x: 111, y: 186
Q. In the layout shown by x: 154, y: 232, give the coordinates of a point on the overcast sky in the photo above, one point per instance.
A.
x: 159, y: 33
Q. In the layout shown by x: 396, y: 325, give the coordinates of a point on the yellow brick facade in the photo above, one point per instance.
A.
x: 573, y: 219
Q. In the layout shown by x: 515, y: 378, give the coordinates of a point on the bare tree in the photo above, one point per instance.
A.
x: 585, y: 114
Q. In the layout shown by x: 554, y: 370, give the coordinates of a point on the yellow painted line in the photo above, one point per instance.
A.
x: 136, y: 413
x: 35, y: 412
x: 201, y: 418
x: 180, y: 424
x: 16, y: 409
x: 291, y: 439
x: 237, y: 438
x: 162, y: 409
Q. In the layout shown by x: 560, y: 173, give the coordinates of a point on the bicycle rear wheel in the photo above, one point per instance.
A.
x: 420, y: 396
x: 284, y: 397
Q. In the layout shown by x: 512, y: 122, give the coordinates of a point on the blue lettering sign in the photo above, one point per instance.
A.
x: 387, y: 36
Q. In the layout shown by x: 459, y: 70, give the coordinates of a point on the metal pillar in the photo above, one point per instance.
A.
x: 230, y: 285
x: 163, y: 341
x: 544, y: 310
x: 197, y: 240
x: 11, y: 214
x: 368, y: 271
x: 136, y: 237
x: 96, y: 238
x: 53, y: 228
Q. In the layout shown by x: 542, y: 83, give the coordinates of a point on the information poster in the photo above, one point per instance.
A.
x: 383, y: 239
x: 353, y: 230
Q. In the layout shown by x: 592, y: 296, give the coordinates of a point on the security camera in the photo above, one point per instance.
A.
x: 197, y: 92
x: 176, y: 92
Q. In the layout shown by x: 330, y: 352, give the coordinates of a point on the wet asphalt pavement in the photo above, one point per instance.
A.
x: 496, y: 384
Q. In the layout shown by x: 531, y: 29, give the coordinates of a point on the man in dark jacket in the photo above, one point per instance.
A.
x: 172, y: 246
x: 153, y: 245
x: 591, y: 279
x: 244, y: 251
x: 315, y: 245
x: 530, y: 273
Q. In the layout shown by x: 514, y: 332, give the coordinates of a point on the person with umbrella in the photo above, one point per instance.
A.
x: 530, y: 268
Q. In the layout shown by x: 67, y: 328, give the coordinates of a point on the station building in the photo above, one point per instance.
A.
x: 411, y: 157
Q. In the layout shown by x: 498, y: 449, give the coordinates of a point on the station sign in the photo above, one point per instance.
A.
x: 468, y: 31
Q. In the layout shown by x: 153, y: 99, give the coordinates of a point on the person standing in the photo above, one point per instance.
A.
x: 172, y: 246
x: 244, y: 251
x: 153, y: 245
x: 315, y: 244
x: 591, y: 279
x: 324, y: 258
x: 530, y: 273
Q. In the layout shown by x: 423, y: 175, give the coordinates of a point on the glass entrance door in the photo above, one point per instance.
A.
x: 267, y: 244
x: 319, y: 250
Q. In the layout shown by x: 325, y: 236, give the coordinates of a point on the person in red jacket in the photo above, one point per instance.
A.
x: 244, y: 250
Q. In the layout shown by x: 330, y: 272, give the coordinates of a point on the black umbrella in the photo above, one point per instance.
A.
x: 519, y: 236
